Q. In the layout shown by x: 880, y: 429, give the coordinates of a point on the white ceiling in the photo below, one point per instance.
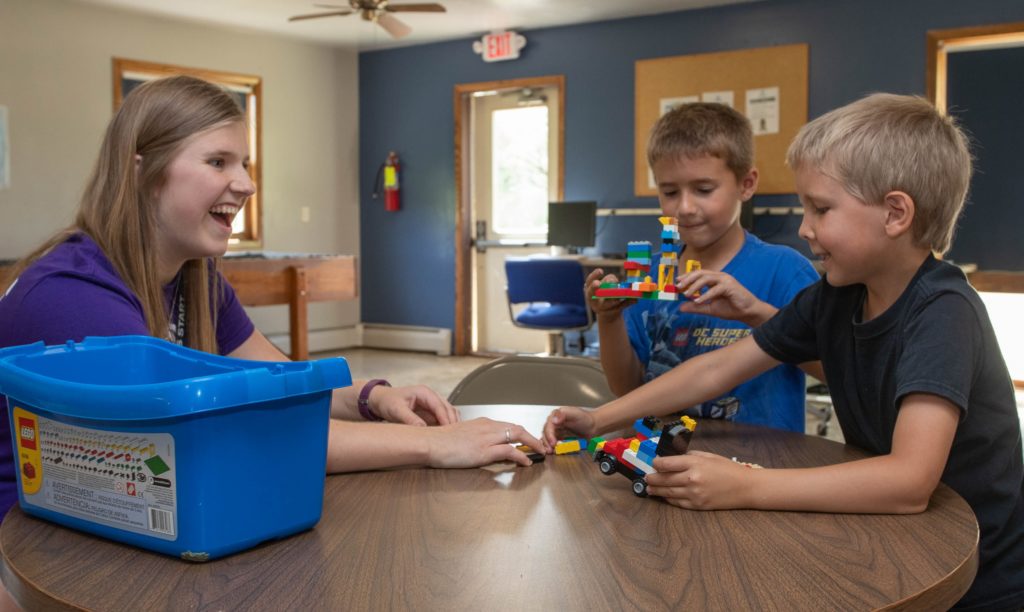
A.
x: 464, y: 18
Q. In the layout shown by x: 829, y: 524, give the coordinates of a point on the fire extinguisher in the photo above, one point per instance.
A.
x: 387, y: 178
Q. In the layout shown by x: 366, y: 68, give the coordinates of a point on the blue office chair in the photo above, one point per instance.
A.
x: 552, y: 290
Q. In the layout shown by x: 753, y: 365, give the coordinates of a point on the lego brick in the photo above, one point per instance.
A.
x: 566, y: 447
x: 629, y: 456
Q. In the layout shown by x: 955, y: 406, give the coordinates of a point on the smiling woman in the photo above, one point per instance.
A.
x: 246, y: 228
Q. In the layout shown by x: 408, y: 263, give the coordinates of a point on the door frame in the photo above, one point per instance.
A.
x: 939, y: 42
x: 463, y: 197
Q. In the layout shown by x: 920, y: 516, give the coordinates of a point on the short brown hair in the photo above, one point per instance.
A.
x: 886, y: 142
x: 704, y: 128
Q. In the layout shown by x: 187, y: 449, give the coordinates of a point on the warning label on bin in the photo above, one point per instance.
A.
x: 122, y: 480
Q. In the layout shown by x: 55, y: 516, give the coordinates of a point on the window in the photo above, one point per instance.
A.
x: 519, y: 159
x: 128, y: 74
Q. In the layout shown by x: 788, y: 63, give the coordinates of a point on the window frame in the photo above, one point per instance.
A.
x: 251, y: 236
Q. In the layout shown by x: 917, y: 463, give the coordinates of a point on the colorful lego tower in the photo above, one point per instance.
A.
x: 638, y: 282
x: 669, y: 261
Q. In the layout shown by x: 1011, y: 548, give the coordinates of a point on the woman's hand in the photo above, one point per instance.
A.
x: 604, y: 308
x: 700, y: 481
x: 720, y: 295
x: 479, y: 442
x: 413, y: 405
x: 566, y: 421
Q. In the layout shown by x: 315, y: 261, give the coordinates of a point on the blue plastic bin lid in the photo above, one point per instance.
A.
x: 131, y: 378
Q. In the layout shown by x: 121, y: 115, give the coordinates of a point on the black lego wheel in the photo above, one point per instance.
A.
x: 640, y: 487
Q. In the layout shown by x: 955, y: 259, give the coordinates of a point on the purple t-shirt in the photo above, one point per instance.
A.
x: 73, y: 292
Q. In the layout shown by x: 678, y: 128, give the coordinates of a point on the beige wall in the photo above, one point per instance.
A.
x: 55, y: 80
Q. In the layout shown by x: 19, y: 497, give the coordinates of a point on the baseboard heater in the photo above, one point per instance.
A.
x: 407, y: 338
x: 374, y: 335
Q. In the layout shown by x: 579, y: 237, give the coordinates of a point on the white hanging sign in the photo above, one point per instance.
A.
x: 499, y: 46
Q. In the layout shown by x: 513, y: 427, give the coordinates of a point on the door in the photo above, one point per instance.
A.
x: 512, y: 156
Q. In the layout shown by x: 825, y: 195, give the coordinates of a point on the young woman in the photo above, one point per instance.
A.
x: 141, y: 258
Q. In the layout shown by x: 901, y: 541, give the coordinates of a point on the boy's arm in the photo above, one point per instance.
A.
x: 901, y: 482
x: 622, y: 368
x: 692, y: 382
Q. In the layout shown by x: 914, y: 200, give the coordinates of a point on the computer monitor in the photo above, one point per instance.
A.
x: 572, y: 224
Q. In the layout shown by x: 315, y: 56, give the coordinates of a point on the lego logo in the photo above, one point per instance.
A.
x: 28, y: 433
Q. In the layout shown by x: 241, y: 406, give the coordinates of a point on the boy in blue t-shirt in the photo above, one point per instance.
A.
x: 702, y: 158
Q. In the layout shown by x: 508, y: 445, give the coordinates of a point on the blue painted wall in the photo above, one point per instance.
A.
x: 408, y: 258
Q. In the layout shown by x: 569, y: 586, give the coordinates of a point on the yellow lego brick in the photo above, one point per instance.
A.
x: 567, y: 446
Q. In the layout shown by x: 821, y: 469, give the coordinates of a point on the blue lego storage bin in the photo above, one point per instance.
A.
x: 186, y: 453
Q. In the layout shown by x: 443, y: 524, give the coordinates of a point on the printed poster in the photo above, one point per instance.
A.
x: 763, y: 110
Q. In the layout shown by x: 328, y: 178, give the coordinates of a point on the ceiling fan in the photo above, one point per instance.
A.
x: 377, y: 11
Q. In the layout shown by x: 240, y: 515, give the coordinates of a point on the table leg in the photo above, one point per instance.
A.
x: 298, y: 316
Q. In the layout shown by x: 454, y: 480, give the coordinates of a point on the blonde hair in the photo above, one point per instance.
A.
x: 118, y: 210
x: 887, y: 142
x: 704, y: 128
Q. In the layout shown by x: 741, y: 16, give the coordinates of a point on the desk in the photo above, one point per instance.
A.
x: 557, y: 535
x: 293, y: 280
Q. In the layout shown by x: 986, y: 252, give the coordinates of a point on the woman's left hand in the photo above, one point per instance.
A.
x: 478, y: 442
x: 700, y: 481
x: 413, y: 405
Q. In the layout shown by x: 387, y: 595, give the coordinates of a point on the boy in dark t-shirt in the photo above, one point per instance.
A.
x: 906, y: 345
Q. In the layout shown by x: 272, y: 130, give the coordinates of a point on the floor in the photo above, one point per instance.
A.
x: 443, y: 373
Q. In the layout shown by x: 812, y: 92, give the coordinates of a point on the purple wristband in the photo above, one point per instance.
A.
x: 364, y: 399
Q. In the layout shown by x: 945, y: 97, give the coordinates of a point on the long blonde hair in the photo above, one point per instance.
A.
x: 118, y: 209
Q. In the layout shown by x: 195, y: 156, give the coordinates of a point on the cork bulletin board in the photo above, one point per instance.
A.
x: 768, y: 85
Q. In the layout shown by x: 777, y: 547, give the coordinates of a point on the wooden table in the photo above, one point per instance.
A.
x: 295, y: 280
x: 557, y: 535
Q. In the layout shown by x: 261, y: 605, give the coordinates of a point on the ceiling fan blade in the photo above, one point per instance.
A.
x: 428, y: 7
x: 393, y: 26
x: 333, y: 6
x: 315, y: 15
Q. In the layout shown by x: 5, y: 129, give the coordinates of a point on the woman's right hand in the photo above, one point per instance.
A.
x: 604, y: 308
x: 567, y: 421
x: 478, y: 442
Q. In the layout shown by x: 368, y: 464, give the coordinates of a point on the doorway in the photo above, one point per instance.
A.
x: 509, y: 158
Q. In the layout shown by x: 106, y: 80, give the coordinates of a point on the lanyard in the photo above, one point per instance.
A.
x: 176, y: 325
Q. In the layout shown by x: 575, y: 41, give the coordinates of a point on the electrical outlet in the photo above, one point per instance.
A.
x: 304, y: 214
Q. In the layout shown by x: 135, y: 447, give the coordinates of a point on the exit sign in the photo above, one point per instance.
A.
x: 499, y: 46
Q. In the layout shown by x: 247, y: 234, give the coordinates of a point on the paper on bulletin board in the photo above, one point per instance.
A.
x: 667, y: 104
x: 763, y: 110
x: 5, y: 157
x: 719, y: 97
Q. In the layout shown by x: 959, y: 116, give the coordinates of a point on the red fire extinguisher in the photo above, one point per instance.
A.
x: 387, y: 177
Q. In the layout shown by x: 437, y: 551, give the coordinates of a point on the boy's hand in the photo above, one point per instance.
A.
x: 564, y: 422
x: 700, y: 481
x: 604, y: 308
x: 723, y: 297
